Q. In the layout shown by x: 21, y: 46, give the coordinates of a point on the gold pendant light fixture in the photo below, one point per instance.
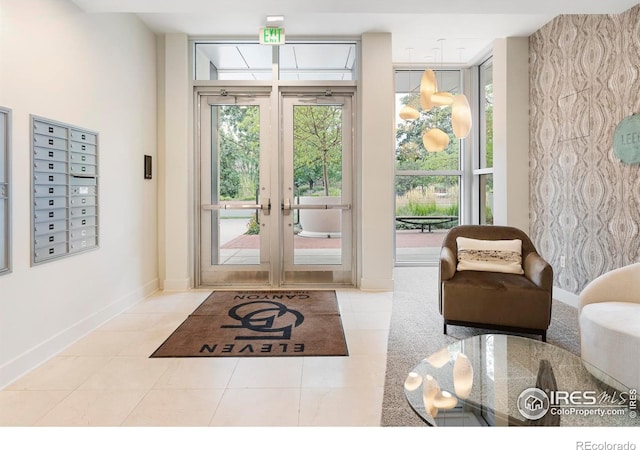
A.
x: 460, y: 116
x: 428, y: 86
x: 434, y: 139
x: 408, y: 112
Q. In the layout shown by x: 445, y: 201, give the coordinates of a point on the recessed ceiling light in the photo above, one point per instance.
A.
x: 272, y: 19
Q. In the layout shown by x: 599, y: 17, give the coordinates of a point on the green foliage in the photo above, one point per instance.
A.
x: 239, y: 146
x: 413, y: 208
x: 488, y: 116
x: 488, y: 215
x: 425, y: 201
x: 317, y: 147
x: 410, y: 151
x: 253, y: 227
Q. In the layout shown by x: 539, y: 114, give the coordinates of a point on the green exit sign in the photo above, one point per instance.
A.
x: 272, y: 36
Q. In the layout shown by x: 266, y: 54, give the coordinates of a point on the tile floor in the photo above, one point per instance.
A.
x: 107, y: 378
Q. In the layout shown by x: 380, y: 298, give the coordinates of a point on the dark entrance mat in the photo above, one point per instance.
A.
x: 260, y: 323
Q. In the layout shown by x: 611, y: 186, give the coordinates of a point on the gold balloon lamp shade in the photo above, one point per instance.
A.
x: 428, y: 86
x: 460, y: 116
x: 409, y: 113
x: 442, y: 98
x: 435, y: 140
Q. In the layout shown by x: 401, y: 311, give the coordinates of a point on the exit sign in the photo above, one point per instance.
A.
x: 272, y: 36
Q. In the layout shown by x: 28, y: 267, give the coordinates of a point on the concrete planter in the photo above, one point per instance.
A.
x: 320, y: 223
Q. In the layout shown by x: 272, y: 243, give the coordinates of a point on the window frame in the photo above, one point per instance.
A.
x: 460, y: 172
x: 275, y: 72
x: 479, y: 161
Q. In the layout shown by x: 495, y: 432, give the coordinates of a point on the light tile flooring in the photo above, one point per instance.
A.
x: 107, y: 378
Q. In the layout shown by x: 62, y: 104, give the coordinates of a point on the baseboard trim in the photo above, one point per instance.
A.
x: 29, y: 360
x: 176, y: 284
x: 376, y: 285
x: 567, y: 297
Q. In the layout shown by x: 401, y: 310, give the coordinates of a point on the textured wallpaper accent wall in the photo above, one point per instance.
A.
x: 585, y: 203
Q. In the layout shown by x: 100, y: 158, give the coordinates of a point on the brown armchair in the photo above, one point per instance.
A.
x: 500, y: 301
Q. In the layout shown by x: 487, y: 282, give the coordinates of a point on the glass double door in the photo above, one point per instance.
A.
x: 275, y: 190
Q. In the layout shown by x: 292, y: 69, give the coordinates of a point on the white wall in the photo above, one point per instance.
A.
x: 511, y: 132
x: 376, y: 223
x: 96, y: 72
x: 174, y: 148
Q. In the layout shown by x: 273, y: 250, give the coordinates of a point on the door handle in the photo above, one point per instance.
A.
x: 265, y: 208
x: 286, y: 206
x: 322, y: 206
x: 239, y: 206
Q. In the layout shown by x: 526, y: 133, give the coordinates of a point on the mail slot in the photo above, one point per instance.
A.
x: 49, y: 129
x: 82, y: 211
x: 50, y: 251
x: 49, y: 142
x: 50, y: 238
x: 82, y: 136
x: 48, y: 215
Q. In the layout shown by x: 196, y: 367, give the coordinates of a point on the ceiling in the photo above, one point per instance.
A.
x: 450, y: 32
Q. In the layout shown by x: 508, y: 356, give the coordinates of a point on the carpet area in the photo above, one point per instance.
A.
x: 260, y: 323
x: 416, y: 332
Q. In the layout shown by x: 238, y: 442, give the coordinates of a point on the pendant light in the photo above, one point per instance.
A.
x: 441, y: 98
x: 460, y: 116
x: 408, y: 112
x: 435, y: 140
x: 428, y: 86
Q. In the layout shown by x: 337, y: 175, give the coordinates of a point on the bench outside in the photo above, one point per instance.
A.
x: 425, y: 221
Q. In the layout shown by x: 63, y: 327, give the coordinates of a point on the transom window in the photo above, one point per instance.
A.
x: 247, y: 61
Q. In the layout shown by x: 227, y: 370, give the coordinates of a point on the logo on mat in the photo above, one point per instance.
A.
x: 271, y: 319
x: 533, y: 403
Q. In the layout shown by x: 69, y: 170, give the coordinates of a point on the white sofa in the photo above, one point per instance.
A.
x: 609, y: 320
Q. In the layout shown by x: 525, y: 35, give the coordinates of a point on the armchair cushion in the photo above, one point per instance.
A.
x: 496, y: 298
x: 504, y: 255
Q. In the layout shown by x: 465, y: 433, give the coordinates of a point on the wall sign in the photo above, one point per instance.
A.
x: 626, y: 140
x: 271, y: 36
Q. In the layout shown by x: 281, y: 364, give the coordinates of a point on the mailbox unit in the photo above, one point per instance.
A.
x: 65, y: 189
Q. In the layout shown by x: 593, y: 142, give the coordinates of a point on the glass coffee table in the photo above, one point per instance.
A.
x: 503, y: 380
